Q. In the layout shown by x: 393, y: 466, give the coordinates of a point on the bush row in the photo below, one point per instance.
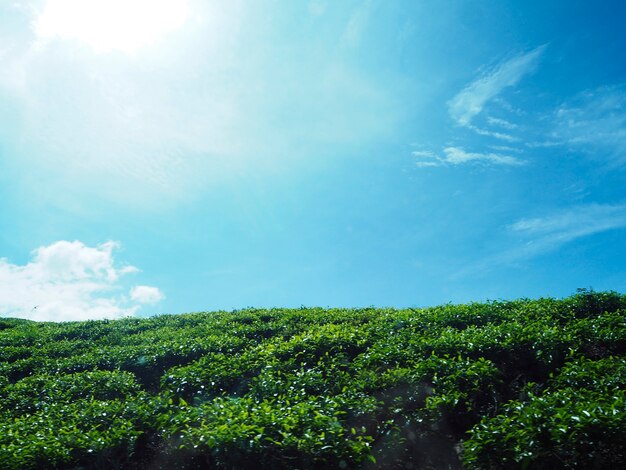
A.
x: 521, y: 384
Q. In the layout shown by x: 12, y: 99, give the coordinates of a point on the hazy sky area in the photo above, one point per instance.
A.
x: 167, y: 156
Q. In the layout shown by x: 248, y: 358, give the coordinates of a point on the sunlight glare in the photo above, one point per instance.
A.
x: 107, y: 25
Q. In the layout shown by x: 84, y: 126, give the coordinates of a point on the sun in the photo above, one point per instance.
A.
x: 109, y: 25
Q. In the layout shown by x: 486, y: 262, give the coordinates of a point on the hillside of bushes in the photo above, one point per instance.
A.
x: 527, y: 384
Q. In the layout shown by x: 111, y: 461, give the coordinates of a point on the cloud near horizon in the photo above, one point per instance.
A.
x: 541, y: 235
x: 537, y: 236
x: 571, y: 223
x: 69, y: 281
x: 146, y: 294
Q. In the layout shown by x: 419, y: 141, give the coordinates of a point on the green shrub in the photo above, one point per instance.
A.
x: 86, y: 432
x: 279, y: 433
x: 567, y: 428
x: 527, y: 384
x: 35, y: 393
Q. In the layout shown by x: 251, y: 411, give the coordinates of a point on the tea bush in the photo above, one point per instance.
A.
x: 503, y: 384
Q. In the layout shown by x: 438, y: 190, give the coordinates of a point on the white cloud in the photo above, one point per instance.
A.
x: 472, y: 99
x: 544, y: 234
x: 458, y: 156
x: 425, y: 154
x: 470, y: 102
x: 505, y: 148
x: 67, y: 261
x: 67, y: 281
x: 146, y: 294
x: 496, y: 134
x: 540, y: 235
x: 594, y: 120
x: 572, y: 223
x: 543, y: 144
x: 426, y: 163
x: 503, y: 123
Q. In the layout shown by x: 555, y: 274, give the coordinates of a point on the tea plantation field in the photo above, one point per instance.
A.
x: 529, y: 384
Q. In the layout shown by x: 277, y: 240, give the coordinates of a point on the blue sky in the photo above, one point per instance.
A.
x: 175, y: 156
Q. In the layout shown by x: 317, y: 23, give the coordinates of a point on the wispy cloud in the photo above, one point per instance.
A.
x: 472, y: 99
x: 503, y: 123
x: 540, y: 235
x: 356, y: 24
x: 458, y: 156
x: 568, y: 225
x: 543, y: 144
x: 594, y: 120
x: 544, y: 234
x: 495, y: 134
x: 70, y: 281
x: 505, y: 148
x: 427, y: 158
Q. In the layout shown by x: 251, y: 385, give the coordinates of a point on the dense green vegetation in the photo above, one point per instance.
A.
x: 521, y: 384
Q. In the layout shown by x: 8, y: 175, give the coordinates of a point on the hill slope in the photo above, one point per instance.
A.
x: 521, y: 384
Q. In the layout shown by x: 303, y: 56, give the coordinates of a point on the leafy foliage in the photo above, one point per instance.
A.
x: 521, y: 384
